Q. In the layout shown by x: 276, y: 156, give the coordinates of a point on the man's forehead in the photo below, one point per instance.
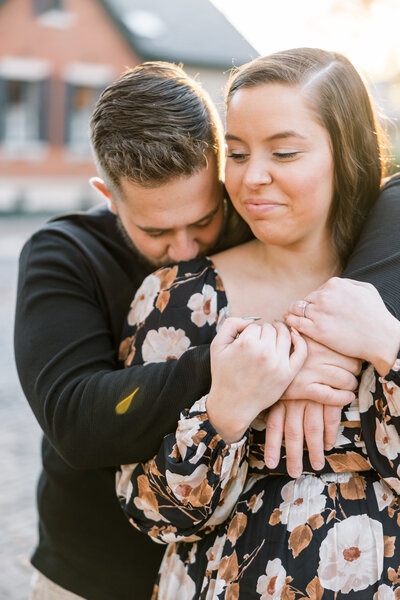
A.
x: 179, y: 203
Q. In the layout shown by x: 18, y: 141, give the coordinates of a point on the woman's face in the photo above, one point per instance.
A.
x: 279, y: 171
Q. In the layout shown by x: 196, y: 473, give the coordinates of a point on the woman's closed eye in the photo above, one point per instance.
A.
x: 286, y: 155
x: 237, y: 156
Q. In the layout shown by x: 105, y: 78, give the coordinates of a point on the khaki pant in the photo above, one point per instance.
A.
x: 44, y: 589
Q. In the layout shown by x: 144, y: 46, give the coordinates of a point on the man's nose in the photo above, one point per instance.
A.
x: 183, y: 247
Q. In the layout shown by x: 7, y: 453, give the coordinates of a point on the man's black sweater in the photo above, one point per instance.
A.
x: 77, y: 278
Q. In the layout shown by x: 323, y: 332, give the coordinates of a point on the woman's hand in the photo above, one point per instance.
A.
x: 326, y: 377
x: 296, y: 421
x: 251, y: 366
x: 351, y: 318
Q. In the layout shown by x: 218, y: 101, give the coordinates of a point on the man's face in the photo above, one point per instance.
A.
x: 176, y: 221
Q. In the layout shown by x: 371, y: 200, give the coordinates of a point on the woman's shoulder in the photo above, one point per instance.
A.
x: 229, y: 260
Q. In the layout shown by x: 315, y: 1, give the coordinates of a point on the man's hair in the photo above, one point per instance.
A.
x: 339, y: 98
x: 153, y: 124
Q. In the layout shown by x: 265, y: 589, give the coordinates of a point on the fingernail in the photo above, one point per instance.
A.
x: 295, y: 474
x: 271, y: 462
x: 318, y: 466
x: 251, y: 318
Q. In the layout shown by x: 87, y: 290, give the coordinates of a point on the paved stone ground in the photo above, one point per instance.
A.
x: 19, y: 432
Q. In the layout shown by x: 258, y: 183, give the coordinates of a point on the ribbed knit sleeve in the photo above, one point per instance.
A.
x: 376, y: 257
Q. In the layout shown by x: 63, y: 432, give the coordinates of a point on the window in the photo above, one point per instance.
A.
x: 80, y: 103
x: 84, y: 84
x: 43, y: 6
x: 22, y: 113
x: 24, y: 88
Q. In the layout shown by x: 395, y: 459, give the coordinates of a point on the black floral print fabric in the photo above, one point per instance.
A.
x: 235, y: 529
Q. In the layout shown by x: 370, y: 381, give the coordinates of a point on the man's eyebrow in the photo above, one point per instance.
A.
x: 281, y: 135
x: 160, y: 229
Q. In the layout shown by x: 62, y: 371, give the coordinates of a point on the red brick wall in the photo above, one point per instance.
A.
x: 92, y: 38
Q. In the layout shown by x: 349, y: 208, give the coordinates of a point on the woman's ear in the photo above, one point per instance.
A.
x: 98, y: 184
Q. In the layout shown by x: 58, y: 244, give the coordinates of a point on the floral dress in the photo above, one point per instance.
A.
x: 235, y: 529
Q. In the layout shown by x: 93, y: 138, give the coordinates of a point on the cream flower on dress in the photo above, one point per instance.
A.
x: 165, y: 343
x: 175, y: 583
x: 392, y: 395
x: 366, y: 389
x: 143, y: 302
x: 393, y: 482
x: 270, y: 586
x: 182, y: 486
x: 351, y: 555
x: 214, y: 553
x: 384, y: 593
x: 383, y: 494
x: 203, y: 306
x: 302, y: 498
x: 148, y: 510
x: 387, y: 440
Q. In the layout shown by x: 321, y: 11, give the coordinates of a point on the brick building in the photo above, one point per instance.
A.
x: 55, y: 58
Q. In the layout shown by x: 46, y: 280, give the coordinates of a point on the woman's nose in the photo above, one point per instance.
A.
x: 257, y: 173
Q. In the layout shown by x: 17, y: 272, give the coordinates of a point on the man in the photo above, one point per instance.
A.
x: 157, y: 142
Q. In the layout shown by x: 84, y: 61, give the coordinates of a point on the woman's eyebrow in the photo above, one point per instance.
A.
x: 281, y: 135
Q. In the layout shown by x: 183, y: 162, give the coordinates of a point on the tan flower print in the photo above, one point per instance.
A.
x: 203, y: 306
x: 184, y: 486
x: 163, y: 344
x: 255, y: 502
x: 143, y: 302
x: 351, y: 555
x: 270, y: 585
x: 302, y: 498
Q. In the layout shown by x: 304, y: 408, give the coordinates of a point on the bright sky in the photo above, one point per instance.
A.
x: 366, y: 31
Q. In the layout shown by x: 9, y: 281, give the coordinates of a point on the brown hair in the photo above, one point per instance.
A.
x: 340, y: 100
x: 153, y: 124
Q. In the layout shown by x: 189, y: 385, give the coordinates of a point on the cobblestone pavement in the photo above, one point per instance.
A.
x: 19, y: 432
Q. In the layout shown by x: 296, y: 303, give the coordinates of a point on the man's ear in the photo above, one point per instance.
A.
x: 98, y: 184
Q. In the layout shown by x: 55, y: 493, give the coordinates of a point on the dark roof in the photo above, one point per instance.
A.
x: 194, y: 32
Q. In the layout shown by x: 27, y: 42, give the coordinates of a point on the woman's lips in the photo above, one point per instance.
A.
x: 258, y: 207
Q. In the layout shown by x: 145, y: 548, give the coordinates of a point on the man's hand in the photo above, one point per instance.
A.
x: 296, y: 421
x: 326, y: 377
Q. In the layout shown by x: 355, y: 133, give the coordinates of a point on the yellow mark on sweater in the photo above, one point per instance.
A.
x: 124, y: 404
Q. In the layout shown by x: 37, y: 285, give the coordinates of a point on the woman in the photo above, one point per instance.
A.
x: 303, y: 168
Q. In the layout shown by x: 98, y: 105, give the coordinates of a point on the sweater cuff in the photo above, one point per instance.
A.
x: 196, y: 419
